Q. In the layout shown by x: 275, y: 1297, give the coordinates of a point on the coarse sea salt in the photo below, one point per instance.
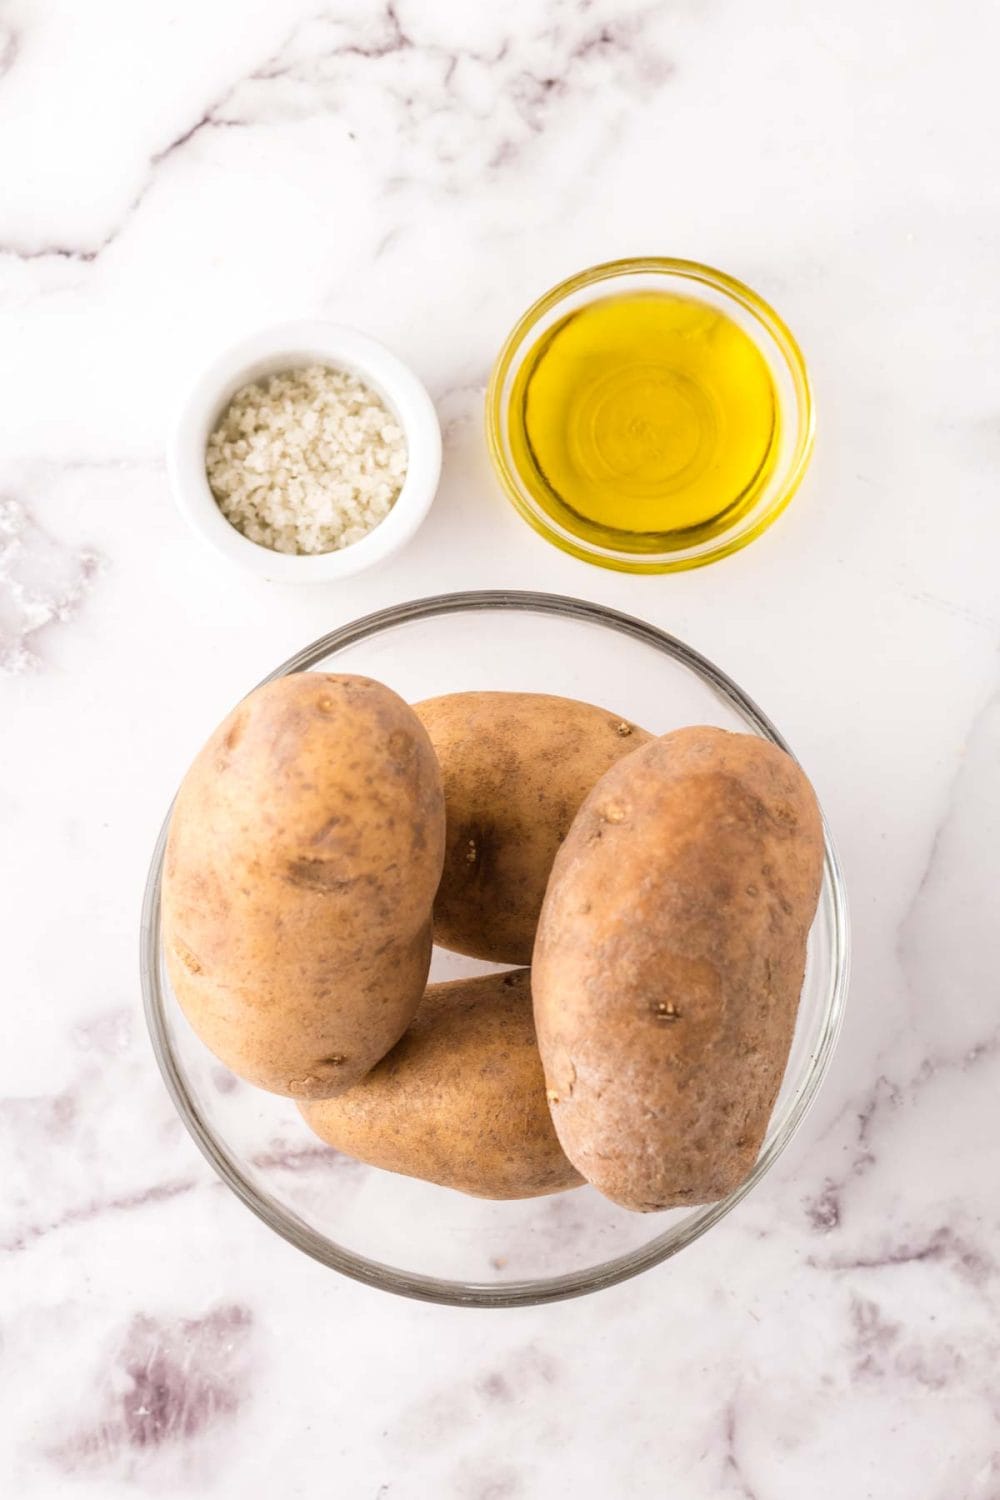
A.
x: 309, y: 460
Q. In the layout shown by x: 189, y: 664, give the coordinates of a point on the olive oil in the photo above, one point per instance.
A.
x: 644, y: 421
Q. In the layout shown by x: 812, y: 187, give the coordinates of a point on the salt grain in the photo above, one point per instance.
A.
x: 307, y: 461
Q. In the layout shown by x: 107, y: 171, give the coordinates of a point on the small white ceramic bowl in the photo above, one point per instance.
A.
x: 285, y: 347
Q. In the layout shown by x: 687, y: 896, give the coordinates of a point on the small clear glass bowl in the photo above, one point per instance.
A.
x: 412, y: 1237
x: 758, y: 321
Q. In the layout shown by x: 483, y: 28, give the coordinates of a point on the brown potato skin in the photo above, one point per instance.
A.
x: 460, y: 1100
x: 516, y: 768
x: 304, y: 850
x: 669, y: 962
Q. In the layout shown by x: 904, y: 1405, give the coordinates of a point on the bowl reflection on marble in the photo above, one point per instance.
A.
x: 411, y: 1237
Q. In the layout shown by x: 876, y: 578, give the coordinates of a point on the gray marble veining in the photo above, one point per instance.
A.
x: 175, y: 176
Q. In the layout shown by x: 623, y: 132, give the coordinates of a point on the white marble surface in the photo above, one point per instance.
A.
x: 177, y: 174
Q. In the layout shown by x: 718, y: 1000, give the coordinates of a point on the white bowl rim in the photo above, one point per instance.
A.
x: 286, y: 346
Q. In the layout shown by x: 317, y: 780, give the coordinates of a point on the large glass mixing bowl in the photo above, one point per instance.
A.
x: 411, y: 1237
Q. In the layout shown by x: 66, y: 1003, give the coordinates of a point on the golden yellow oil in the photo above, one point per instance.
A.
x: 644, y: 421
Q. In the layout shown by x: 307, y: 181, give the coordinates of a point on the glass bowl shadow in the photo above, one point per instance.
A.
x: 410, y: 1237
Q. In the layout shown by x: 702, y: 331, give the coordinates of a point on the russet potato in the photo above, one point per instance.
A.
x: 460, y: 1099
x: 669, y: 962
x: 516, y: 767
x: 304, y: 851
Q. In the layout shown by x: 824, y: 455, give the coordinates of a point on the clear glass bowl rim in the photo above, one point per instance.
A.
x: 530, y: 1292
x: 717, y: 547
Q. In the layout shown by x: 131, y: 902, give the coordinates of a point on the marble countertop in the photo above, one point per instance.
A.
x: 176, y: 175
